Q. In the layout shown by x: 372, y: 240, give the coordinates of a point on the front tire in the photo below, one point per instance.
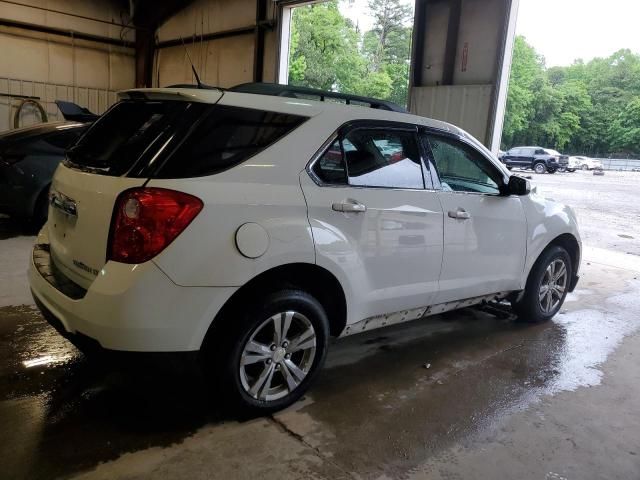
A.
x: 585, y: 167
x: 547, y: 286
x: 270, y: 353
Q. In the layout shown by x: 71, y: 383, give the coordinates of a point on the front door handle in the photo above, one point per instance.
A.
x: 354, y: 207
x: 460, y: 214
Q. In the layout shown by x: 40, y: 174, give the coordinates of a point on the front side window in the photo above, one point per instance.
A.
x: 462, y: 168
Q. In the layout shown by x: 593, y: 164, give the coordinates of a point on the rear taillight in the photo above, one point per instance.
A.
x: 146, y: 220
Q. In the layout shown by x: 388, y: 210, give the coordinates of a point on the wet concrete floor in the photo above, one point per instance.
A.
x: 441, y: 398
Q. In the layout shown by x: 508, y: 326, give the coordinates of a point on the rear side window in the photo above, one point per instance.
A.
x: 330, y: 168
x: 224, y: 137
x: 373, y: 158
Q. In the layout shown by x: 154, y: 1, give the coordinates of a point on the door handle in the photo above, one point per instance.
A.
x: 354, y: 207
x: 460, y: 214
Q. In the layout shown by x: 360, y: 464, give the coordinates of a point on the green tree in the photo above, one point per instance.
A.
x: 328, y: 52
x: 324, y: 48
x: 585, y: 108
x: 527, y: 77
x: 625, y: 129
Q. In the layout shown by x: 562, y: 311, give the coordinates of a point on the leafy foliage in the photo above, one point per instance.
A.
x: 328, y: 51
x: 586, y: 108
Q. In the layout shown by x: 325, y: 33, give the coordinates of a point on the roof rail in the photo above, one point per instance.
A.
x: 306, y: 93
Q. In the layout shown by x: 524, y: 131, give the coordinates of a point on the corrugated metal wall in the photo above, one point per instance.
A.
x: 467, y: 106
x: 94, y: 99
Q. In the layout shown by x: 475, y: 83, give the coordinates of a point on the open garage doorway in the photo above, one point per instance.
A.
x: 360, y: 47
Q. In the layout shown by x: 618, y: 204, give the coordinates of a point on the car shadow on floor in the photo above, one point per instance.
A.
x: 56, y: 404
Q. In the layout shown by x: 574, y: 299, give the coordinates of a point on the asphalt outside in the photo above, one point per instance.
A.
x: 464, y: 395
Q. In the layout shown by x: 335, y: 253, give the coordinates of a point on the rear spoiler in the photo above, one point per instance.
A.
x: 184, y: 94
x: 75, y: 113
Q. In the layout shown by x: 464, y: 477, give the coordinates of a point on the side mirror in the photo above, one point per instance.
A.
x: 518, y: 186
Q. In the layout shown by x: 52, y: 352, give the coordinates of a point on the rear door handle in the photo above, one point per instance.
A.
x: 349, y: 207
x: 460, y: 214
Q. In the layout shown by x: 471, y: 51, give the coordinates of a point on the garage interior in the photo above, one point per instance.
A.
x: 467, y: 394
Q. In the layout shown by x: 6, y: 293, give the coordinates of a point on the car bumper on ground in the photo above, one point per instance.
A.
x: 127, y: 307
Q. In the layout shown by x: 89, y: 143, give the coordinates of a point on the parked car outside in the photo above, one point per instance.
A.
x: 248, y: 229
x: 586, y: 163
x: 538, y: 159
x: 28, y: 158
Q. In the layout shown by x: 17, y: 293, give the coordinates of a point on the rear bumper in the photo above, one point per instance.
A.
x: 130, y: 308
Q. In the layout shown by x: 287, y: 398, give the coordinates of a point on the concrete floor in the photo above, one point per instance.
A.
x: 498, y: 399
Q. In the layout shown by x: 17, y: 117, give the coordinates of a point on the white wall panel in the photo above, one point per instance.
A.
x: 208, y: 16
x: 55, y: 67
x: 466, y: 106
x: 224, y: 62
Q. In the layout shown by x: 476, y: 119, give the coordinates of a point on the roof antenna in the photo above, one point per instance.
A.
x: 193, y: 69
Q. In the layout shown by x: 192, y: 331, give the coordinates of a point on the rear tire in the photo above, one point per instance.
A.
x: 539, y: 168
x: 266, y: 356
x: 547, y: 286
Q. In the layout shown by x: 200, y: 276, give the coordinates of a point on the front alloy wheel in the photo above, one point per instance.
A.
x: 539, y: 168
x: 278, y: 356
x: 547, y: 286
x: 553, y: 286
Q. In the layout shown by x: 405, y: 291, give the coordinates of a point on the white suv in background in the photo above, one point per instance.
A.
x: 583, y: 163
x: 251, y: 228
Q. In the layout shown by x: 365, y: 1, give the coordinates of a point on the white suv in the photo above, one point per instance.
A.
x: 584, y: 163
x: 251, y: 228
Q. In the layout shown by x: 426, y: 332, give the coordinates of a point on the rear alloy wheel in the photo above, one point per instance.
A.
x: 272, y: 352
x: 539, y: 168
x: 547, y: 286
x: 278, y: 356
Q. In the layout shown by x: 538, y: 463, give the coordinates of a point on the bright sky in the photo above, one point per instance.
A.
x: 561, y: 30
x: 565, y: 30
x: 358, y: 12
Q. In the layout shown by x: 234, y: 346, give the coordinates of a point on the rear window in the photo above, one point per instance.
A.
x: 224, y: 137
x: 174, y: 139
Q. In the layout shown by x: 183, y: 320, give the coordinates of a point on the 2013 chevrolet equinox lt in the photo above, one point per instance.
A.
x: 253, y: 227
